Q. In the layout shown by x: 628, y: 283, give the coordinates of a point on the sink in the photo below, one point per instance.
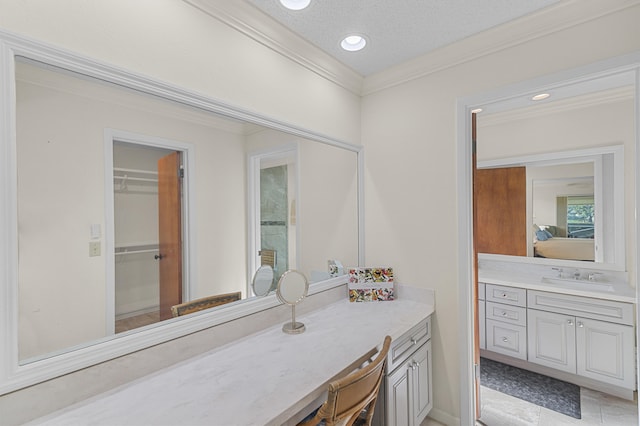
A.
x: 578, y: 284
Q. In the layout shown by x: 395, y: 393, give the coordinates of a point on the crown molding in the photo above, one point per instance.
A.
x: 265, y: 30
x: 564, y: 15
x: 612, y: 96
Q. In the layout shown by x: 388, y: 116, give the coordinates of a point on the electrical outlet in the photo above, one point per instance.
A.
x: 94, y: 248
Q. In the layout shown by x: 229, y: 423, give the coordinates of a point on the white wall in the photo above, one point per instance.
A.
x: 411, y: 202
x: 172, y: 41
x: 61, y: 163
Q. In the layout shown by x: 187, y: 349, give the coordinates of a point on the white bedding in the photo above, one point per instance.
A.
x: 565, y: 248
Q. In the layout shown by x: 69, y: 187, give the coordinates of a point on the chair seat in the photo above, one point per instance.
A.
x: 351, y: 400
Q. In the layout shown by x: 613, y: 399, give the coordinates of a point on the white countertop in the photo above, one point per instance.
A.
x: 263, y: 379
x: 621, y: 291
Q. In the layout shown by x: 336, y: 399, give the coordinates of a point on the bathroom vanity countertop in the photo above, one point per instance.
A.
x: 265, y: 378
x: 620, y: 291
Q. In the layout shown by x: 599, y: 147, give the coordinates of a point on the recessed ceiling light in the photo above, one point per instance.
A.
x: 540, y: 97
x: 476, y: 111
x: 353, y: 43
x: 295, y: 4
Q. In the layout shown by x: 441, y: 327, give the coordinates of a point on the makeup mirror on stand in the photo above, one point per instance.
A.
x: 262, y: 280
x: 292, y: 288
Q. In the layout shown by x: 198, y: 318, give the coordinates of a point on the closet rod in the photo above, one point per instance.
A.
x: 127, y: 178
x: 122, y: 253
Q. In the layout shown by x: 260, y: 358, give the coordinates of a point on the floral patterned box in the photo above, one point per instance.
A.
x: 371, y: 284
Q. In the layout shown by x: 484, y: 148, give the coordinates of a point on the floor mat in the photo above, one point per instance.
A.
x: 541, y: 390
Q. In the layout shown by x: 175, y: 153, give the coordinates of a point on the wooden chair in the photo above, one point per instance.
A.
x: 268, y: 257
x: 350, y: 395
x: 204, y: 303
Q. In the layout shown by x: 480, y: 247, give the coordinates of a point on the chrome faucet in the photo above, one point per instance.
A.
x: 576, y: 274
x: 560, y: 271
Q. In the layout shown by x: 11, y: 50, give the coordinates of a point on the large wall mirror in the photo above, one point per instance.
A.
x: 130, y: 199
x: 573, y: 205
x: 569, y: 154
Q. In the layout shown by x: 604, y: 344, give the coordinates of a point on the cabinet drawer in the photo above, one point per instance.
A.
x: 507, y: 339
x: 587, y: 307
x: 402, y: 348
x: 506, y: 313
x: 509, y: 295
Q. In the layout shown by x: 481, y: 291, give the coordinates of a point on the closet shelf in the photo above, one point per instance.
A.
x: 136, y: 177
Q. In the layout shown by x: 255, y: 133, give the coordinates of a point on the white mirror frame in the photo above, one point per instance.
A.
x: 587, y: 154
x: 628, y: 63
x: 14, y: 376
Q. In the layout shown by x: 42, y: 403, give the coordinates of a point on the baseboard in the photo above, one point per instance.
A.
x: 443, y: 417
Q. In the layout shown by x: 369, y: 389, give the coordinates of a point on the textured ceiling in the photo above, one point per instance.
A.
x: 396, y: 30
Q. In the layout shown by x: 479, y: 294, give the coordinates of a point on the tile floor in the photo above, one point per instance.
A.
x: 499, y: 409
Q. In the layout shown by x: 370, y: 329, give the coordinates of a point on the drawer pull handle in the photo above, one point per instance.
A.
x: 504, y: 313
x: 570, y: 322
x: 504, y: 339
x: 416, y: 363
x: 413, y: 366
x: 504, y: 294
x: 580, y: 324
x: 414, y: 342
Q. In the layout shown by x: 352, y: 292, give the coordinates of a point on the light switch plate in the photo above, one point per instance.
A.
x: 94, y: 248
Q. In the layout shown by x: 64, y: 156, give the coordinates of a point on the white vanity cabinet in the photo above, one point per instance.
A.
x: 407, y: 390
x: 506, y: 320
x: 482, y: 316
x: 586, y: 340
x: 593, y: 338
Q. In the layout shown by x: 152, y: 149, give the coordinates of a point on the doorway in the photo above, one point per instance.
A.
x: 616, y: 67
x: 147, y: 232
x: 273, y: 187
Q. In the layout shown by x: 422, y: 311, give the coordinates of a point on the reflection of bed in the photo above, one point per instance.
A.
x: 565, y: 248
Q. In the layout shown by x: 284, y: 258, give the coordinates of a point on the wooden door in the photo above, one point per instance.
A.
x: 170, y: 233
x: 500, y: 200
x: 474, y: 289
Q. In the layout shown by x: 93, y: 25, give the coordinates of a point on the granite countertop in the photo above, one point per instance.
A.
x: 262, y: 379
x: 618, y: 291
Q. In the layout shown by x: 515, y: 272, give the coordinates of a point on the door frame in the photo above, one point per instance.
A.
x: 189, y: 262
x: 464, y: 106
x: 254, y: 158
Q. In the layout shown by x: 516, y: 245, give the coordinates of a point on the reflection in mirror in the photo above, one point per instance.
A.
x: 572, y: 210
x: 292, y: 288
x: 564, y: 211
x: 129, y: 204
x: 573, y: 152
x: 263, y: 280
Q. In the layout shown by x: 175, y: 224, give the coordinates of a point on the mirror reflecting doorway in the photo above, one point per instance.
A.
x: 147, y: 206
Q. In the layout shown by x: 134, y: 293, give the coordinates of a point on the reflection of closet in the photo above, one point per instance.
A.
x: 135, y: 183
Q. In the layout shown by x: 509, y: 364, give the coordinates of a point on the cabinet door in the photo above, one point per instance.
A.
x: 399, y: 396
x: 552, y: 340
x: 606, y: 352
x: 422, y: 391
